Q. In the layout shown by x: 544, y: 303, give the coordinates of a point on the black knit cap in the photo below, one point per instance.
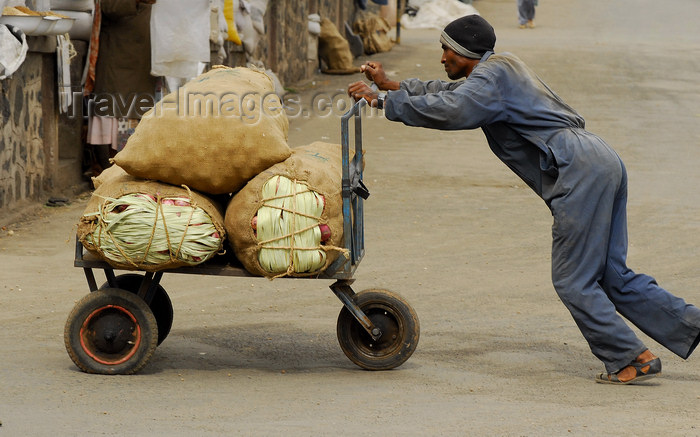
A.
x: 469, y: 36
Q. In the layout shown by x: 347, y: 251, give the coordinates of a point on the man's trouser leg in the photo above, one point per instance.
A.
x: 589, y: 187
x: 662, y: 316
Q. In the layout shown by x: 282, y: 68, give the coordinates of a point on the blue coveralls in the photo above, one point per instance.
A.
x: 583, y: 182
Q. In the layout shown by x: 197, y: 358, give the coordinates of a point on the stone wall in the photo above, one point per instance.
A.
x: 285, y: 48
x: 41, y: 152
x: 23, y: 158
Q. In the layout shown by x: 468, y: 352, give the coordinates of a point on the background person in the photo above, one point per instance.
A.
x: 526, y: 13
x: 119, y: 74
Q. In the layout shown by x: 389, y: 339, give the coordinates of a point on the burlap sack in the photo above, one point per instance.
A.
x: 334, y: 50
x: 111, y: 172
x: 374, y: 31
x: 121, y: 185
x: 220, y: 130
x: 318, y: 165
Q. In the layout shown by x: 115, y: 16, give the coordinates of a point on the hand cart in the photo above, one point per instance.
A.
x: 116, y: 327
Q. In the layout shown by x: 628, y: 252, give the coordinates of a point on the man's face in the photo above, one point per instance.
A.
x: 456, y: 66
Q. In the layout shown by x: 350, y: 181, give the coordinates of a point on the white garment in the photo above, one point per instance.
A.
x: 13, y: 51
x: 179, y: 37
x: 250, y: 23
x: 102, y: 130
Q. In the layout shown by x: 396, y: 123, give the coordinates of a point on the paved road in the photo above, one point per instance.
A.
x: 450, y: 229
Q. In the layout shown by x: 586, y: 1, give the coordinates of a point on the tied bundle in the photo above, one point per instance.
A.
x: 150, y: 226
x: 288, y: 228
x: 288, y: 220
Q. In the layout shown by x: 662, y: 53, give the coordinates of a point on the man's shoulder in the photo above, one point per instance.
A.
x: 498, y: 62
x: 503, y: 57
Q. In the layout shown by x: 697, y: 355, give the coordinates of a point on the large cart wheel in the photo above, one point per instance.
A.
x: 396, y: 320
x: 111, y: 331
x: 161, y: 306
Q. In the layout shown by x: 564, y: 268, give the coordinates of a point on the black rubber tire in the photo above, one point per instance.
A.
x: 111, y: 332
x: 393, y: 316
x: 161, y: 306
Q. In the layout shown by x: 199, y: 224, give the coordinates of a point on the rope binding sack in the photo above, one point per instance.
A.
x: 288, y: 227
x: 288, y: 220
x: 150, y: 226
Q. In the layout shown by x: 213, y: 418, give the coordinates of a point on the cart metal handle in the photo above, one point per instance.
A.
x: 354, y: 167
x: 354, y: 192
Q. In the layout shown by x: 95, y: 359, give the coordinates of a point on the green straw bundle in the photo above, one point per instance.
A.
x: 288, y: 230
x: 143, y: 230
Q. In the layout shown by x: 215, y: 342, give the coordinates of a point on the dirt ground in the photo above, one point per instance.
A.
x: 450, y: 229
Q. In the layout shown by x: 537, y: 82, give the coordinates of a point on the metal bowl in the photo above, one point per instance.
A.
x: 82, y: 24
x: 26, y: 23
x: 55, y: 25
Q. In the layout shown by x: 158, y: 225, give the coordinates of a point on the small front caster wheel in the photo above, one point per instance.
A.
x: 396, y: 320
x: 111, y: 331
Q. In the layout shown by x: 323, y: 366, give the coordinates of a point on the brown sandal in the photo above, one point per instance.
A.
x: 643, y: 371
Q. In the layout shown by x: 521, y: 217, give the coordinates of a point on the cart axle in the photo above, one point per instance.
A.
x: 342, y: 289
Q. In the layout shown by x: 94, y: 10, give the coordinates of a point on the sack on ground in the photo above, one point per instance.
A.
x: 374, y: 31
x: 288, y: 220
x: 146, y: 225
x: 334, y: 50
x: 219, y: 131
